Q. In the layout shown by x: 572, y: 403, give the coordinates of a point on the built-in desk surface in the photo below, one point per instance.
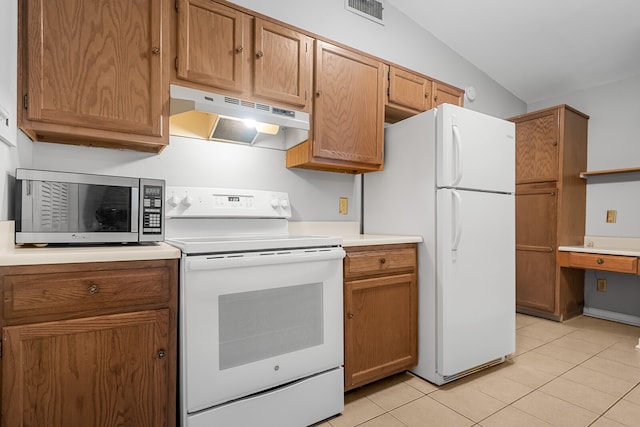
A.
x: 619, y: 254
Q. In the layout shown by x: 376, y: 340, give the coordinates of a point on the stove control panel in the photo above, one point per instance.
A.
x: 226, y: 203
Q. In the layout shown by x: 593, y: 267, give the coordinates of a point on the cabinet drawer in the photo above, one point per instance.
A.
x: 81, y: 291
x: 387, y: 261
x: 622, y: 264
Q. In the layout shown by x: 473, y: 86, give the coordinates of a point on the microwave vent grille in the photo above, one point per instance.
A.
x: 54, y: 200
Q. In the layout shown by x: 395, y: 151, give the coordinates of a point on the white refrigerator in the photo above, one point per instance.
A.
x: 449, y: 176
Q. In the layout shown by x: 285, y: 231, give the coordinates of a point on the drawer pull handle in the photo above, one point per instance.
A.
x: 350, y: 315
x: 382, y: 260
x: 93, y: 289
x: 162, y: 354
x: 600, y: 261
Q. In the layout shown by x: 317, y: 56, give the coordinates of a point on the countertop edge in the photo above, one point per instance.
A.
x: 378, y: 239
x: 603, y: 251
x: 13, y: 255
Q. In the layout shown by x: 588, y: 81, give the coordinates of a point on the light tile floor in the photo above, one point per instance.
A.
x: 583, y: 372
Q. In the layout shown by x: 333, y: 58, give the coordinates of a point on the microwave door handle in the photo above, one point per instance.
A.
x: 135, y: 208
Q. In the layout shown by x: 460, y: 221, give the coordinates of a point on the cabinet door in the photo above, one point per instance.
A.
x: 94, y: 64
x: 445, y: 94
x: 537, y: 148
x: 409, y: 90
x: 211, y: 44
x: 380, y: 327
x: 348, y: 109
x: 282, y: 63
x: 99, y: 371
x: 536, y: 247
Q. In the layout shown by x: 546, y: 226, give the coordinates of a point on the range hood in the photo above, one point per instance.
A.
x: 206, y: 115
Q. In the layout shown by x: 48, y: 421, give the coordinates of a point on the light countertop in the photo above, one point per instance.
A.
x: 350, y: 233
x: 10, y: 254
x: 626, y: 246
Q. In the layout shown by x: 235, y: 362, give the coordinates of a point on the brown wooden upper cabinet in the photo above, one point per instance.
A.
x: 446, y: 94
x: 94, y: 74
x: 231, y: 52
x: 347, y: 130
x: 537, y: 147
x: 410, y: 93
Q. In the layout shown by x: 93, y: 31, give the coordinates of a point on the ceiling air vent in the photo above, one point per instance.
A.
x: 370, y: 9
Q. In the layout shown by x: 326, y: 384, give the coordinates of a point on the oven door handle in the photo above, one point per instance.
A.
x: 226, y: 261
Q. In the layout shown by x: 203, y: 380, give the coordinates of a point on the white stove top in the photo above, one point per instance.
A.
x: 226, y: 244
x: 203, y: 220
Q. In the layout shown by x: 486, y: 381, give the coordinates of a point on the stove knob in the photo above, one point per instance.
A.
x: 187, y: 201
x: 173, y: 201
x: 284, y: 204
x: 275, y: 203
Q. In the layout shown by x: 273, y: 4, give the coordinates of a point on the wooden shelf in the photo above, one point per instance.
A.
x: 608, y: 172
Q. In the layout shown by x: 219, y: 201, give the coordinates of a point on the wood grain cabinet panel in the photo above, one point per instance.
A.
x: 347, y: 132
x: 407, y: 94
x: 446, y: 94
x: 94, y: 73
x: 212, y: 44
x: 96, y: 371
x: 89, y: 345
x: 224, y: 50
x: 617, y: 263
x: 282, y: 63
x: 551, y: 151
x: 537, y: 147
x: 381, y: 309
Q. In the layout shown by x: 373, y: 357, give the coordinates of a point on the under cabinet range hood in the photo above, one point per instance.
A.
x: 205, y: 115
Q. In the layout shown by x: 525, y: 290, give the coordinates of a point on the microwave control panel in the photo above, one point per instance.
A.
x: 152, y: 199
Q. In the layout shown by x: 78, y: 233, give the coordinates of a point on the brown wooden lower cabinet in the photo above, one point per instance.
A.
x: 381, y: 308
x: 91, y: 362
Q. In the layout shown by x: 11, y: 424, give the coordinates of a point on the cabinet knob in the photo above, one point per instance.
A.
x: 162, y: 354
x: 239, y: 49
x: 93, y: 289
x: 426, y: 94
x: 259, y: 54
x: 318, y: 92
x: 383, y: 260
x: 350, y: 315
x: 600, y: 261
x: 155, y: 50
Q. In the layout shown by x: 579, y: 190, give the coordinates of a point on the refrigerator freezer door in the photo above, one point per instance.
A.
x: 475, y: 285
x: 474, y: 151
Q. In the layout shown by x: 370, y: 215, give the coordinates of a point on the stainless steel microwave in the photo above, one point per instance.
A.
x: 63, y: 207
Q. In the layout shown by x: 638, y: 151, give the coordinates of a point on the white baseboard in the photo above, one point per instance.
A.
x: 611, y: 315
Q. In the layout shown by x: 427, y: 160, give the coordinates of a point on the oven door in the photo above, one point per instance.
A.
x: 252, y: 321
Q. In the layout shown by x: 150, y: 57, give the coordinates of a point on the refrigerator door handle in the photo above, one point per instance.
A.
x: 457, y: 220
x: 458, y: 155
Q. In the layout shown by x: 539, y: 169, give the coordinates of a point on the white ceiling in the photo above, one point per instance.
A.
x: 538, y: 49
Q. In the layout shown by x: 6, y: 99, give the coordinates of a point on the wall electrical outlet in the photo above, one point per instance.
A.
x: 601, y: 285
x: 344, y: 206
x: 611, y: 216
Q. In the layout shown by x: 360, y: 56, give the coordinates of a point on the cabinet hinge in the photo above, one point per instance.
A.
x: 25, y: 101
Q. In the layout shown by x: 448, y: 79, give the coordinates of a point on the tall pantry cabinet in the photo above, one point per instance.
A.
x: 551, y: 151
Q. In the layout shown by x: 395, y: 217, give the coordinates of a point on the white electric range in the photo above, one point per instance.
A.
x: 261, y: 311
